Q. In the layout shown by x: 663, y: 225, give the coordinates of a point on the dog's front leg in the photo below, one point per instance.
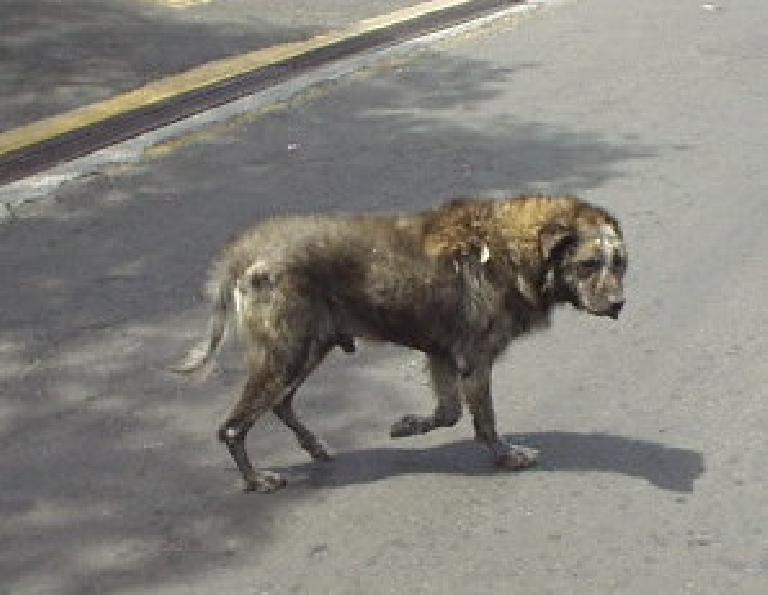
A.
x: 448, y: 408
x: 476, y: 388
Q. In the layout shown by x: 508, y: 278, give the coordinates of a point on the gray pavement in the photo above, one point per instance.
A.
x: 56, y: 56
x: 652, y: 429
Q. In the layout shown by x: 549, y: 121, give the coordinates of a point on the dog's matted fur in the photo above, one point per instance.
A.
x: 457, y: 283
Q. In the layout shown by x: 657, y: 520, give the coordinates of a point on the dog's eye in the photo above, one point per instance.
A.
x: 589, y: 266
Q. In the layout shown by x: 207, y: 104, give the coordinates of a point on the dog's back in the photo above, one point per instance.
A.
x: 386, y: 277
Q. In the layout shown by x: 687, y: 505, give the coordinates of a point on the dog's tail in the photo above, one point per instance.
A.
x: 221, y: 291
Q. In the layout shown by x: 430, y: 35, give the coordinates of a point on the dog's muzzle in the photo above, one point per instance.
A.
x: 615, y: 308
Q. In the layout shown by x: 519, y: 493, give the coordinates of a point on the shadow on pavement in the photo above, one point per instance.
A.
x: 668, y: 468
x: 112, y: 476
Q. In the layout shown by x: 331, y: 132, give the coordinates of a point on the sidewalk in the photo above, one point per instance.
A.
x: 158, y: 70
x: 56, y: 56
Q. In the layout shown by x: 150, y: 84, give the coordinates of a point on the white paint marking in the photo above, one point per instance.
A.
x: 485, y: 254
x: 237, y: 295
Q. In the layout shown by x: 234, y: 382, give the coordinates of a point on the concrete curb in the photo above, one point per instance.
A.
x: 32, y: 148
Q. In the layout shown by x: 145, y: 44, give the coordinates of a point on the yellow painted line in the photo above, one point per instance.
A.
x: 182, y: 4
x: 204, y: 76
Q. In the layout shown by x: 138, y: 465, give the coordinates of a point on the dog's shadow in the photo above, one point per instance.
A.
x: 674, y: 469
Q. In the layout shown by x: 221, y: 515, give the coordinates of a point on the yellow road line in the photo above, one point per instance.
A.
x: 204, y: 76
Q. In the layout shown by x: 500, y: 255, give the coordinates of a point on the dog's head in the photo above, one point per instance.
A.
x: 585, y: 263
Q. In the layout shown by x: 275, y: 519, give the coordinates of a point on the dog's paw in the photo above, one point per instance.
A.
x: 408, y: 425
x: 264, y: 482
x: 315, y: 447
x: 514, y: 457
x: 319, y: 453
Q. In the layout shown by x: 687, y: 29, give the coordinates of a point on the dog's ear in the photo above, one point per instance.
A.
x: 554, y: 238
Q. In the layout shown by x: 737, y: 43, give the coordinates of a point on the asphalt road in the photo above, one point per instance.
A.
x: 651, y: 429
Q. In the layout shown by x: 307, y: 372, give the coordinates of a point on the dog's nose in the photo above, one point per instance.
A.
x: 616, y: 307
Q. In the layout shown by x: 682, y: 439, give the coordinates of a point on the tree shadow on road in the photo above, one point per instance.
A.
x: 668, y: 468
x: 113, y: 478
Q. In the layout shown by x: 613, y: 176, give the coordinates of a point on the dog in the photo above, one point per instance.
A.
x: 457, y: 283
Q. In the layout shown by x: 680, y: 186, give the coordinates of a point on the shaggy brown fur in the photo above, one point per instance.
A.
x: 457, y: 283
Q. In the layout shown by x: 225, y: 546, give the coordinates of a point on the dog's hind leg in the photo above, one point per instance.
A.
x: 447, y: 411
x: 307, y: 440
x: 477, y: 392
x: 276, y: 371
x: 284, y: 410
x: 260, y: 394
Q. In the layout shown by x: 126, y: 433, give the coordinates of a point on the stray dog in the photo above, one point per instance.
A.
x: 458, y: 283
